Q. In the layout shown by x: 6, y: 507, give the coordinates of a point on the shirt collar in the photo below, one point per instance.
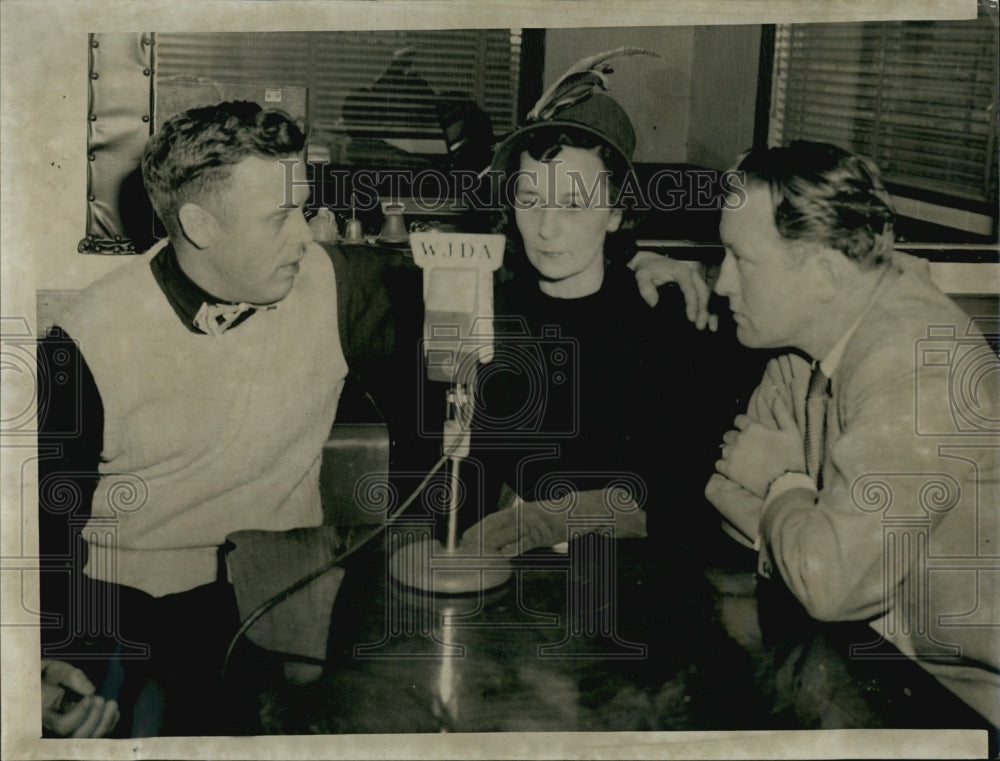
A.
x: 831, y: 361
x: 184, y: 295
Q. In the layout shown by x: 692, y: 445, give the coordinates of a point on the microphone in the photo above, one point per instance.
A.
x: 458, y: 301
x: 458, y: 335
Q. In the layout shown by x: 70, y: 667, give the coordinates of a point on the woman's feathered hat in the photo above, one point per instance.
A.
x: 579, y: 99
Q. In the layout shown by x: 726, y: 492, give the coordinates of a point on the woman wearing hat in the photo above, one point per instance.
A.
x: 594, y: 405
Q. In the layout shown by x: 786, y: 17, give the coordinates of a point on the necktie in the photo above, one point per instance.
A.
x: 816, y: 402
x: 216, y: 319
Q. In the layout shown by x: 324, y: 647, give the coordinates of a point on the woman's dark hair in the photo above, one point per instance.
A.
x: 545, y: 144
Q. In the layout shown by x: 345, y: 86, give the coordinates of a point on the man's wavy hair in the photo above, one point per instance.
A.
x: 824, y: 194
x: 196, y: 149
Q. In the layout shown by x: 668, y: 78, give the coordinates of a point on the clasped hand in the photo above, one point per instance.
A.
x: 90, y: 716
x: 753, y: 454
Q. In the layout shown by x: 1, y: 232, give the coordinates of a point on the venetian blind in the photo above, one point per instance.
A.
x: 918, y: 97
x: 377, y: 83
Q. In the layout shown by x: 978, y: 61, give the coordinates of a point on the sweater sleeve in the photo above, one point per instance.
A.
x: 739, y: 508
x: 365, y: 318
x: 886, y: 469
x: 70, y: 436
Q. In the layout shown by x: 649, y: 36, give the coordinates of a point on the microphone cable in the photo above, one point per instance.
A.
x: 303, y: 581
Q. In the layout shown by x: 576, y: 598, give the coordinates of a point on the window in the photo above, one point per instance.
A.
x: 918, y: 97
x: 424, y: 98
x: 396, y: 86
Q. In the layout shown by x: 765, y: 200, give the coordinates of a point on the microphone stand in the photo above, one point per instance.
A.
x: 428, y: 565
x: 455, y: 445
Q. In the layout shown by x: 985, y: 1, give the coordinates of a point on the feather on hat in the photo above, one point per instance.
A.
x: 580, y: 99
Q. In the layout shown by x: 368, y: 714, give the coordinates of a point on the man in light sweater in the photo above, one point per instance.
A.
x: 865, y: 472
x: 204, y: 377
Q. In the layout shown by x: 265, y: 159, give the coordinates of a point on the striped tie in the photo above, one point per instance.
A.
x: 816, y: 401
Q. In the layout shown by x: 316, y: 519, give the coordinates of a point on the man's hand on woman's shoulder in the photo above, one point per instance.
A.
x: 653, y: 270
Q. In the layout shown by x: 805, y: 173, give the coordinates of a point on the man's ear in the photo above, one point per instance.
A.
x: 828, y: 272
x: 198, y: 224
x: 615, y: 221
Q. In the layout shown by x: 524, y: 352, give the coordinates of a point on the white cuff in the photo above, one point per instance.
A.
x: 787, y: 482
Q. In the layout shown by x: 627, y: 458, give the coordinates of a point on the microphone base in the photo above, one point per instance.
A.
x: 431, y: 567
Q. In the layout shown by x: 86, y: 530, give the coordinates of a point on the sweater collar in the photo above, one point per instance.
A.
x: 200, y: 311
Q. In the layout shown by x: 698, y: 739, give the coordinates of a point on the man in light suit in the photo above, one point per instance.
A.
x: 865, y: 471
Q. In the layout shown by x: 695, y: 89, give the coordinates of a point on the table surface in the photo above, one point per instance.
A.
x: 616, y: 635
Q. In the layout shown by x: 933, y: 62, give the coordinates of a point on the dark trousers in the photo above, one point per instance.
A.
x: 162, y: 659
